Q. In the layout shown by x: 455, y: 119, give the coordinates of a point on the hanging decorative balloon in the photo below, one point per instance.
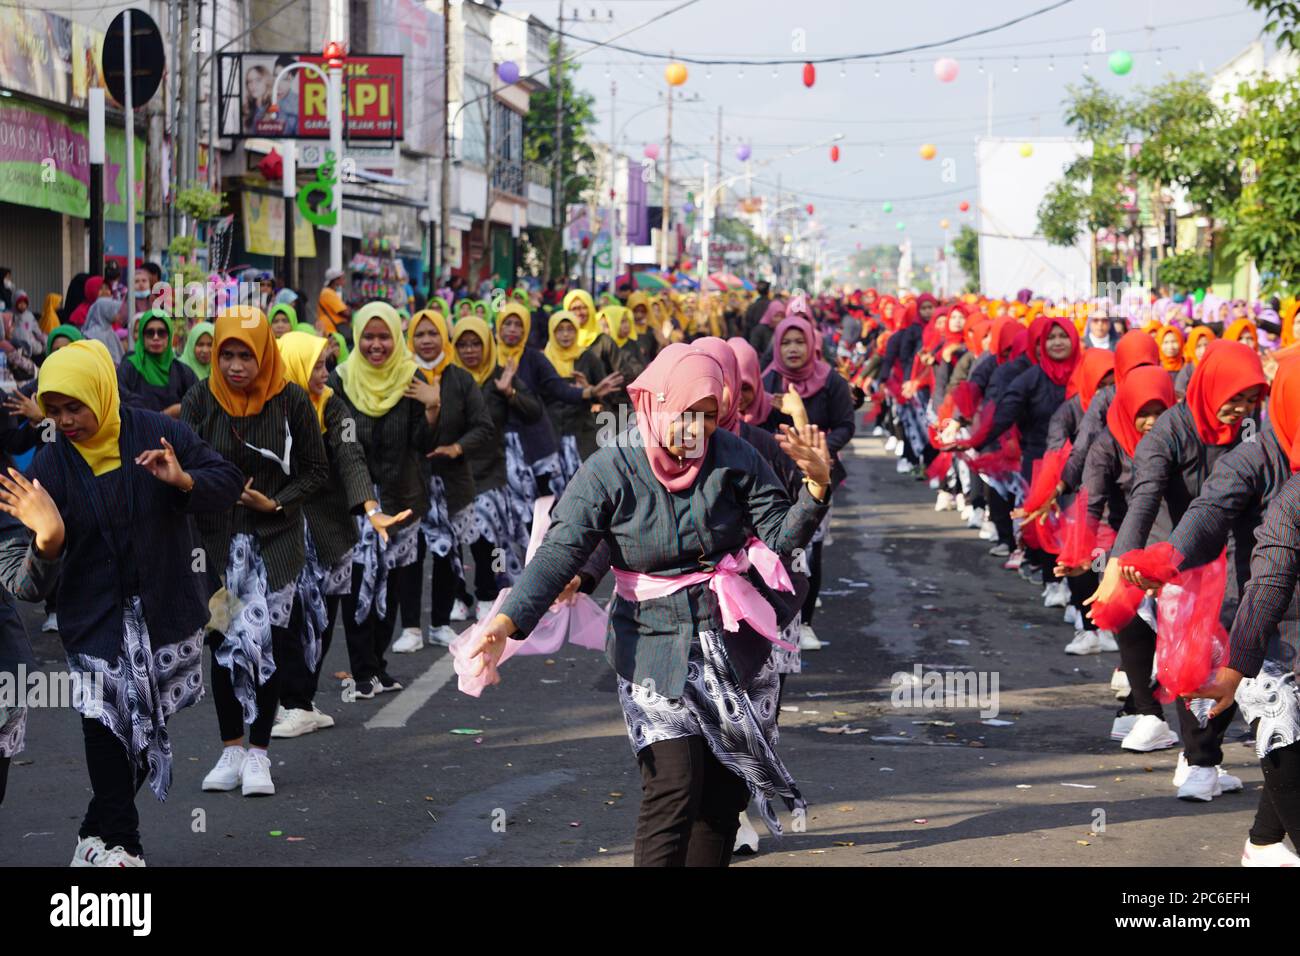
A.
x: 651, y: 151
x: 1120, y: 62
x: 743, y: 152
x: 675, y: 74
x: 943, y: 223
x: 964, y: 206
x: 888, y: 207
x: 900, y: 226
x: 508, y: 72
x: 1026, y: 150
x: 929, y: 151
x: 835, y: 154
x: 809, y: 207
x: 945, y: 69
x: 809, y: 75
x: 688, y: 208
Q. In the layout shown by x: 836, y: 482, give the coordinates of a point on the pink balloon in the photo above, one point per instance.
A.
x: 945, y: 69
x: 651, y: 151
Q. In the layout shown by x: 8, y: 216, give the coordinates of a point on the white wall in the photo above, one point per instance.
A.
x: 1013, y: 255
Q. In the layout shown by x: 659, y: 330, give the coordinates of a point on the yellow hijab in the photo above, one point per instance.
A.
x: 84, y: 370
x: 439, y: 322
x: 635, y: 299
x: 300, y: 352
x: 612, y: 318
x: 507, y: 352
x: 559, y: 356
x: 472, y: 323
x: 590, y: 330
x: 376, y: 389
x: 50, y: 314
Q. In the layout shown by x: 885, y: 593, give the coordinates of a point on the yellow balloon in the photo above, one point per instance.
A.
x: 928, y: 151
x: 1026, y: 150
x: 675, y: 74
x: 943, y: 223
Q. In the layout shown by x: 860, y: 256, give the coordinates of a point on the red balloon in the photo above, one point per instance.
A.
x: 809, y: 74
x: 964, y: 206
x: 835, y: 154
x: 810, y: 209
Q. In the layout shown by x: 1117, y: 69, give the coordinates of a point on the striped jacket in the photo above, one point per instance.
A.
x: 616, y: 498
x: 329, y: 511
x: 1274, y: 570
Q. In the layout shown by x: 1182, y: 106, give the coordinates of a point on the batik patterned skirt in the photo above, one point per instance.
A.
x: 377, y: 558
x: 1273, y: 698
x: 786, y: 661
x: 570, y: 460
x: 437, y: 528
x: 490, y: 518
x: 245, y: 649
x: 134, y: 696
x: 738, y: 724
x: 13, y: 730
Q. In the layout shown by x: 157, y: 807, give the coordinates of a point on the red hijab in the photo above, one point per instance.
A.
x: 809, y: 379
x: 1284, y: 407
x: 1058, y: 372
x: 1092, y: 368
x: 679, y: 377
x: 728, y: 416
x: 1146, y: 383
x: 751, y: 375
x: 1226, y: 369
x: 1134, y: 349
x: 92, y: 287
x: 1037, y: 329
x: 890, y: 311
x: 975, y: 331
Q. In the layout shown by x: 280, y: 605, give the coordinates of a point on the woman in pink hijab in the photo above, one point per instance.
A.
x: 760, y: 336
x: 694, y: 521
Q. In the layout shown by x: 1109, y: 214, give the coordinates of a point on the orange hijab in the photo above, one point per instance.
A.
x: 248, y: 325
x: 1175, y: 362
x: 1194, y: 339
x: 1237, y: 329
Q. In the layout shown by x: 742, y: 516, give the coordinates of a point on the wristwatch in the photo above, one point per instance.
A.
x: 374, y: 511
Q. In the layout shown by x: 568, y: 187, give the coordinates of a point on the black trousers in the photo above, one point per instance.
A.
x: 814, y: 583
x: 443, y: 589
x: 115, y: 779
x: 1081, y: 588
x: 1278, y: 815
x: 411, y: 593
x: 485, y: 579
x: 1000, y: 514
x: 690, y: 806
x: 4, y: 777
x: 369, y: 640
x: 286, y: 648
x: 1137, y: 652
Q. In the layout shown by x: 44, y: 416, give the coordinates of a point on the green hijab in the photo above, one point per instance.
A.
x: 155, y: 369
x: 304, y: 327
x: 287, y: 309
x: 69, y: 332
x: 189, y: 358
x: 343, y: 347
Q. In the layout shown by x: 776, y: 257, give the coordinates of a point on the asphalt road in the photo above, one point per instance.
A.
x: 549, y: 779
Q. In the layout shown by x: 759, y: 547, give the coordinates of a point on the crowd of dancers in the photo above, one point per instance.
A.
x: 245, y: 483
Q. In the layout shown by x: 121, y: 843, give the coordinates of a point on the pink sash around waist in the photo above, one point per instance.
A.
x: 738, y: 600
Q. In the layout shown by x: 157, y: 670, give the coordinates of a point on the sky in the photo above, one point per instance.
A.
x: 885, y: 118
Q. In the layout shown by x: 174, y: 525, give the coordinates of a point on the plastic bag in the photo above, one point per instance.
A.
x: 941, y: 465
x: 1190, y: 640
x: 1046, y: 476
x: 1158, y: 563
x: 1083, y: 538
x: 1005, y: 458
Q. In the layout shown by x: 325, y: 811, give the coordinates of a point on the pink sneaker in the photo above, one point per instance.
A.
x: 1012, y: 563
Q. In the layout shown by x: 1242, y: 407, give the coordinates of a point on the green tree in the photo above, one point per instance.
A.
x: 1265, y: 222
x: 1184, y: 272
x: 577, y: 161
x: 966, y: 245
x: 1283, y: 21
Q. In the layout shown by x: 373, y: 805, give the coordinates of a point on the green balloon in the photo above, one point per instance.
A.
x: 901, y: 226
x: 1198, y: 295
x: 888, y: 207
x: 1120, y: 62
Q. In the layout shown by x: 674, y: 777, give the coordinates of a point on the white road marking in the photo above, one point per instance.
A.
x: 403, y: 706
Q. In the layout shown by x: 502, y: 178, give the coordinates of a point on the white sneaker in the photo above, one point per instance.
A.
x: 1227, y: 783
x: 296, y: 722
x: 1072, y: 617
x: 256, y: 775
x: 1275, y: 854
x: 1119, y: 684
x: 944, y: 502
x: 807, y: 639
x: 1085, y: 642
x: 225, y: 775
x: 965, y: 512
x: 903, y: 467
x: 1057, y: 594
x: 878, y: 431
x: 891, y: 443
x: 119, y: 857
x: 459, y: 610
x: 408, y: 642
x: 817, y: 603
x: 481, y: 610
x: 1149, y: 733
x: 1000, y: 550
x: 1122, y: 726
x: 88, y: 851
x: 443, y: 636
x: 51, y: 624
x: 934, y: 486
x: 989, y: 532
x: 976, y: 518
x: 746, y: 837
x: 962, y: 506
x: 1106, y: 641
x: 900, y: 449
x: 1201, y: 784
x: 323, y: 721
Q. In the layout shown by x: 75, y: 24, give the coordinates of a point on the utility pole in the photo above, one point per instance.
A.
x: 190, y: 143
x: 668, y: 184
x: 444, y: 191
x: 557, y: 198
x: 615, y: 256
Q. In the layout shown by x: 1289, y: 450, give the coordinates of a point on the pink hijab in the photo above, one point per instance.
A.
x: 729, y: 417
x: 774, y: 313
x: 810, y: 379
x: 680, y: 376
x: 751, y: 375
